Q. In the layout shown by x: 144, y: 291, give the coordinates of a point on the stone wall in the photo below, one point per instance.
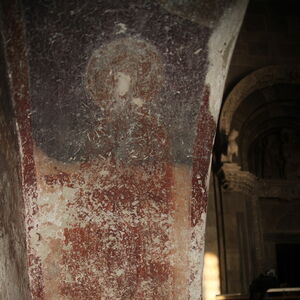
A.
x: 269, y: 36
x: 13, y: 259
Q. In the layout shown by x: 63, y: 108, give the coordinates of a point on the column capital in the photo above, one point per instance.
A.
x: 234, y: 179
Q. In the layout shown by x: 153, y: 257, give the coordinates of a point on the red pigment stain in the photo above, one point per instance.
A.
x: 118, y: 244
x: 61, y: 178
x: 35, y: 272
x: 16, y: 53
x: 18, y: 68
x: 201, y: 158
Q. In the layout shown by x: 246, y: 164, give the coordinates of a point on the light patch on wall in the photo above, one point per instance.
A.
x: 211, y: 276
x: 123, y: 83
x: 121, y: 28
x: 221, y: 45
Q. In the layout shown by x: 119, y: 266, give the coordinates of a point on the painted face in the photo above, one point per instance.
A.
x: 125, y: 68
x: 122, y: 84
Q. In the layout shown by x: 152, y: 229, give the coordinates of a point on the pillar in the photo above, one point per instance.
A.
x: 242, y: 222
x: 116, y: 104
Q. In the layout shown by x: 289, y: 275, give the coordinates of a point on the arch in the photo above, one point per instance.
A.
x: 256, y: 80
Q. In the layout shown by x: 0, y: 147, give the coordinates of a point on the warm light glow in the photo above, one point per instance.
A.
x: 211, y: 277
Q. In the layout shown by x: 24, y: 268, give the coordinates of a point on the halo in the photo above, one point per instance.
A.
x: 134, y: 57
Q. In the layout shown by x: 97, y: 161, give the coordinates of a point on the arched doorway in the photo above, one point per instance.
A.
x: 257, y: 177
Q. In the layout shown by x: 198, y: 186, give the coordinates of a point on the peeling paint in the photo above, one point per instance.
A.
x: 116, y: 146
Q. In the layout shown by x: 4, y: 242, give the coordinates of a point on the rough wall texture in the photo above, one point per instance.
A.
x: 13, y: 271
x: 122, y: 133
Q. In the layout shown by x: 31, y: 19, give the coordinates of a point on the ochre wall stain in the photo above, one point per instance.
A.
x: 118, y: 232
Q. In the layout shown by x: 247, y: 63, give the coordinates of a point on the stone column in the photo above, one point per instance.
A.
x: 240, y: 194
x: 116, y: 104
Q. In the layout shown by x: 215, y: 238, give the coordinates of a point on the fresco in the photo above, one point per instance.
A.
x: 116, y: 135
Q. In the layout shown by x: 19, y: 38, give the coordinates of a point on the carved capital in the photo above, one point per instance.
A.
x: 234, y: 179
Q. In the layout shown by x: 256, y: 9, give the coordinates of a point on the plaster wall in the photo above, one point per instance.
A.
x: 121, y: 105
